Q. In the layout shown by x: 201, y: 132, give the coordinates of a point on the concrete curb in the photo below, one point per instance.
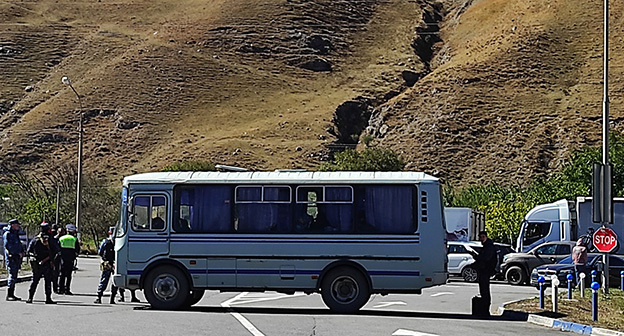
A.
x: 564, y: 325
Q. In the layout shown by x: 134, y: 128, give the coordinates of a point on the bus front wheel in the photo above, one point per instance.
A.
x: 195, y: 296
x: 166, y: 287
x: 345, y: 290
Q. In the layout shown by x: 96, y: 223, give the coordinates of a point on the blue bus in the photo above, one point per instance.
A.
x: 346, y: 235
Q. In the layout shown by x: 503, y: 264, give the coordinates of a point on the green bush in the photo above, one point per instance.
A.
x: 190, y: 166
x: 369, y: 159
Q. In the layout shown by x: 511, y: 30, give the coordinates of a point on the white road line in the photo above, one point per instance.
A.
x: 442, y: 293
x: 245, y: 322
x: 386, y: 304
x: 260, y: 299
x: 405, y: 332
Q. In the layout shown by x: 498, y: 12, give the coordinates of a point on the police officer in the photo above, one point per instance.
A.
x: 43, y: 251
x: 56, y: 233
x: 70, y: 248
x: 107, y: 252
x: 13, y: 254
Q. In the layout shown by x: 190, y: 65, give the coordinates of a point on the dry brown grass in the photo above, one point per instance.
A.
x: 518, y: 85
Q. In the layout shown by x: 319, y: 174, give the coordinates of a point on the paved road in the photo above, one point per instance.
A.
x: 444, y: 310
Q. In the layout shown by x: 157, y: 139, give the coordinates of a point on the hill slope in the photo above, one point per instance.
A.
x: 484, y: 90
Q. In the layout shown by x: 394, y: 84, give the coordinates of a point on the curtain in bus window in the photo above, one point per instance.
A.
x: 264, y: 217
x: 209, y: 208
x: 339, y: 216
x: 388, y: 209
x: 248, y: 194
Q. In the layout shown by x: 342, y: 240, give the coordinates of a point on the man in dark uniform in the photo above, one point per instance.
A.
x: 43, y: 251
x: 485, y: 264
x: 13, y: 254
x: 70, y: 248
x: 107, y: 252
x: 56, y: 233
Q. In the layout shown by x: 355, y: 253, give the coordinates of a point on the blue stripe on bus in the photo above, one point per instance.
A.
x: 286, y: 241
x: 273, y: 271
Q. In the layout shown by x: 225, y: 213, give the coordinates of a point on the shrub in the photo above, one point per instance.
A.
x: 190, y: 166
x: 370, y: 159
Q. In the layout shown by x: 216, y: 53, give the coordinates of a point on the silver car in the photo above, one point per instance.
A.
x: 460, y: 261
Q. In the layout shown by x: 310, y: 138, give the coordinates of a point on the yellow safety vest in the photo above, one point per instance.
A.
x: 68, y: 241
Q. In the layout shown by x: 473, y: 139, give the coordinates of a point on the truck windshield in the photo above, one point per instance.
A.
x: 534, y: 231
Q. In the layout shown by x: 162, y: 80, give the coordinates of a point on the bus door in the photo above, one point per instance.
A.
x: 149, y: 223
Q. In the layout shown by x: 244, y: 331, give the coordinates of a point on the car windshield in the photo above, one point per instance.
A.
x: 566, y: 260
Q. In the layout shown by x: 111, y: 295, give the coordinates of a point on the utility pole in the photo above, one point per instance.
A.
x: 66, y: 81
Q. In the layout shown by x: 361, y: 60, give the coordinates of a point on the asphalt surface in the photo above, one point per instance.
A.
x: 443, y: 310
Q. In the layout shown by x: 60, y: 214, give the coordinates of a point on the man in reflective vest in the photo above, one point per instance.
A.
x: 70, y: 248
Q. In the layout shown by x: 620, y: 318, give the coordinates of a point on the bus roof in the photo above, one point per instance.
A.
x: 299, y: 177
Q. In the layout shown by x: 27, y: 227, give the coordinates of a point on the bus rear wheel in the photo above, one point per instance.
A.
x: 345, y: 290
x: 166, y: 287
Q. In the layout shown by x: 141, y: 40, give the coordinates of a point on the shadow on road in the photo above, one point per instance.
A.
x: 507, y: 316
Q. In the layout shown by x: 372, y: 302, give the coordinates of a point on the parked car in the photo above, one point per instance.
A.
x: 566, y: 266
x: 518, y: 266
x: 460, y: 261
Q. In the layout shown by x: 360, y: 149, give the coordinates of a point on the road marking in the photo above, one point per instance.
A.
x: 245, y: 322
x: 405, y: 332
x: 386, y: 304
x: 260, y: 299
x: 442, y: 293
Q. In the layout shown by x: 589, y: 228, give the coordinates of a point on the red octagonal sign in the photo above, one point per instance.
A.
x: 605, y: 240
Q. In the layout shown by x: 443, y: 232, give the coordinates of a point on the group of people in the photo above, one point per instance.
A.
x: 53, y: 254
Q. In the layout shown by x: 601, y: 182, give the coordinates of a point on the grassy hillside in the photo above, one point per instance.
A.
x: 505, y: 93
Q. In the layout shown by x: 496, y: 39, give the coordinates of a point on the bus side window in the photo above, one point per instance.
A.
x: 141, y: 220
x: 149, y: 213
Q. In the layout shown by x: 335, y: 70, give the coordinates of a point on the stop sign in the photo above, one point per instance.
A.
x: 605, y: 240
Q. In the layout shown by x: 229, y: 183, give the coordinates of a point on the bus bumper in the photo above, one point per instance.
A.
x: 440, y: 278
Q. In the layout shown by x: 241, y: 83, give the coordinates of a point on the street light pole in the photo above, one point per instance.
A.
x: 66, y: 81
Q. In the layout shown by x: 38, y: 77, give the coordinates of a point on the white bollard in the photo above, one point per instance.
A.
x: 582, y: 284
x: 555, y: 292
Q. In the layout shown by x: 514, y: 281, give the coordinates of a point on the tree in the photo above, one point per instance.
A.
x: 369, y: 159
x: 190, y: 166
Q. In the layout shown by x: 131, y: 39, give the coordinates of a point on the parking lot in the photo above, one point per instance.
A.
x: 443, y: 310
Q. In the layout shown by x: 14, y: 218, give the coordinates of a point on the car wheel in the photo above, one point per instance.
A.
x: 345, y: 290
x: 515, y: 275
x: 469, y: 274
x: 166, y: 287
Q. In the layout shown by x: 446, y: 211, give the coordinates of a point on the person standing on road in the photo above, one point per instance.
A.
x: 70, y: 248
x: 13, y: 254
x: 579, y: 257
x: 107, y: 252
x: 485, y: 263
x: 43, y: 251
x: 56, y: 233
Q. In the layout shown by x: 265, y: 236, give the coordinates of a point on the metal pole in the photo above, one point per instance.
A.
x: 58, y: 200
x: 605, y: 134
x: 66, y: 81
x: 79, y: 182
